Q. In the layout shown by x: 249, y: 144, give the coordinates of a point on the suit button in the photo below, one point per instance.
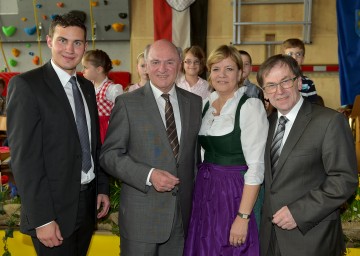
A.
x: 174, y: 193
x: 177, y: 165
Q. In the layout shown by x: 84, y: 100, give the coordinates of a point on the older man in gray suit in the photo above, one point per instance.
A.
x: 157, y: 168
x: 310, y: 168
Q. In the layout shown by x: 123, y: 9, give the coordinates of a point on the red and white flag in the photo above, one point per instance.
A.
x: 172, y: 21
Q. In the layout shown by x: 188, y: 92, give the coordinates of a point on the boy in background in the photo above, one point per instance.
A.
x: 296, y: 48
x: 252, y: 90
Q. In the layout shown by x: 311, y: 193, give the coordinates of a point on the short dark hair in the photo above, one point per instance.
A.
x: 271, y: 62
x: 242, y: 52
x: 66, y: 20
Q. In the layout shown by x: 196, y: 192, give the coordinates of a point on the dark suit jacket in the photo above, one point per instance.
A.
x: 136, y: 141
x: 315, y: 175
x: 45, y: 148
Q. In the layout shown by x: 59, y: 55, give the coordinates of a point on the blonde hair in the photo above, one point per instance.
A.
x: 221, y: 53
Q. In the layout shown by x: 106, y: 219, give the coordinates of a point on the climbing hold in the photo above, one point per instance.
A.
x: 116, y: 62
x: 15, y: 52
x: 107, y: 27
x: 38, y: 6
x: 30, y: 30
x: 12, y: 62
x: 28, y: 45
x: 24, y: 19
x: 94, y: 3
x: 123, y: 15
x: 44, y: 17
x: 118, y: 27
x: 36, y: 60
x: 31, y: 53
x: 60, y: 4
x: 9, y: 31
x: 53, y: 16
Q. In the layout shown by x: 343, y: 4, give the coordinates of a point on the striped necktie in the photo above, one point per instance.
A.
x: 276, y: 143
x: 171, y: 126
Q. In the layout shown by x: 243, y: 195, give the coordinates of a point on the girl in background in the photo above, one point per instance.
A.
x: 141, y: 69
x: 193, y: 65
x: 96, y: 66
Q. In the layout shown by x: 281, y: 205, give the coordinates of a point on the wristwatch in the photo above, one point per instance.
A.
x: 243, y: 215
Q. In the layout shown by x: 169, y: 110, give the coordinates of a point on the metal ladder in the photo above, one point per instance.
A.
x: 237, y: 23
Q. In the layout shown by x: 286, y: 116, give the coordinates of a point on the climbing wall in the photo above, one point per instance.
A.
x: 106, y: 20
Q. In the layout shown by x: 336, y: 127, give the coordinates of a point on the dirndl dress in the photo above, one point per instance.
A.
x: 217, y: 197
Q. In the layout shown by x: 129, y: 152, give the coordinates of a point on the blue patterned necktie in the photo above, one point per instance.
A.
x: 171, y: 126
x: 81, y: 125
x: 276, y: 143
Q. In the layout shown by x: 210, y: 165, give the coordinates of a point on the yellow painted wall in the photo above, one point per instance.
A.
x: 322, y: 50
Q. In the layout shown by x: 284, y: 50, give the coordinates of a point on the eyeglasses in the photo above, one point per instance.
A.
x: 189, y: 62
x: 286, y: 84
x: 296, y: 54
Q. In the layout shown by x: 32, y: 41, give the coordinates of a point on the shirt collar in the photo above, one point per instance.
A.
x: 294, y: 111
x: 63, y: 76
x: 158, y: 93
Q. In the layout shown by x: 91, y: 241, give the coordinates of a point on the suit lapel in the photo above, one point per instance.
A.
x: 184, y: 107
x: 301, y: 121
x: 53, y: 82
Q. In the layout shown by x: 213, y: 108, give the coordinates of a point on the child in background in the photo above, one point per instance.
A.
x: 296, y: 48
x: 193, y: 65
x: 141, y: 69
x: 252, y: 90
x: 96, y: 66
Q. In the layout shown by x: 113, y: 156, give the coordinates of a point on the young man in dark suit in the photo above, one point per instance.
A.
x: 310, y: 168
x: 157, y: 168
x: 54, y: 139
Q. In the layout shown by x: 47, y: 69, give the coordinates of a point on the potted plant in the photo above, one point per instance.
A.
x: 9, y: 210
x: 350, y: 217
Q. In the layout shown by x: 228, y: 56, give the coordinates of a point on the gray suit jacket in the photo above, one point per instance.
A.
x: 315, y: 175
x: 136, y: 141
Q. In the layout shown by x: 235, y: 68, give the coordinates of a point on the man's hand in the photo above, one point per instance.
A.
x: 163, y: 181
x: 103, y: 203
x: 284, y: 219
x: 49, y: 234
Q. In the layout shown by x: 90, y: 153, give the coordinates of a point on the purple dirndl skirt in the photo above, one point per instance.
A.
x: 217, y: 196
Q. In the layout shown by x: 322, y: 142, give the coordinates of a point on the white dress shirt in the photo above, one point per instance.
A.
x: 291, y: 116
x: 64, y: 79
x: 161, y: 105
